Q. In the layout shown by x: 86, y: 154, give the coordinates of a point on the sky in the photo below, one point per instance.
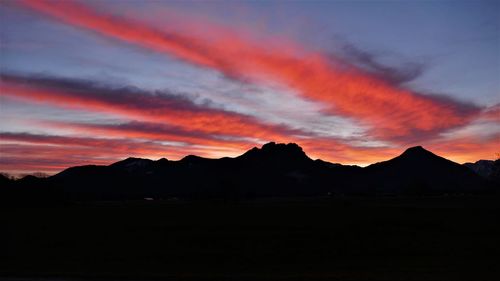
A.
x: 352, y: 82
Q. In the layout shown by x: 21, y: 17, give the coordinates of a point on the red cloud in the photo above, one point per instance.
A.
x: 166, y: 117
x: 26, y: 152
x: 132, y: 103
x: 151, y: 131
x: 468, y: 149
x: 392, y: 112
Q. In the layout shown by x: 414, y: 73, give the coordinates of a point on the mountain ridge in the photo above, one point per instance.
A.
x: 274, y: 170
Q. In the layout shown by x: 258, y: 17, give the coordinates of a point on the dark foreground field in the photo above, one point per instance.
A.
x: 445, y: 238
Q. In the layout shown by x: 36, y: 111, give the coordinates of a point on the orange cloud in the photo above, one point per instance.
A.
x: 27, y: 153
x: 325, y: 148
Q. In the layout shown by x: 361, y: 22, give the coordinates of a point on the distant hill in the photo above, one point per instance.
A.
x: 487, y: 169
x: 274, y: 170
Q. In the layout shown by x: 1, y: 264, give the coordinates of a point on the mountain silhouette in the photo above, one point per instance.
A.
x: 279, y: 154
x: 487, y: 169
x: 418, y: 170
x: 274, y: 170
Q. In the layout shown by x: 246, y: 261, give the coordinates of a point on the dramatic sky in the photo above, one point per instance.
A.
x: 355, y: 82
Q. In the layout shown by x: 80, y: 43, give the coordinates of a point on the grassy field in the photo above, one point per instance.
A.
x: 442, y: 238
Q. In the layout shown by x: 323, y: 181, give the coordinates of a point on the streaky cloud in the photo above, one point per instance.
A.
x: 136, y: 104
x: 406, y: 72
x: 151, y: 131
x: 160, y: 116
x: 24, y: 152
x: 392, y: 112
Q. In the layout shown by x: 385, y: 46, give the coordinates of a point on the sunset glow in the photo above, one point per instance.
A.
x: 87, y: 82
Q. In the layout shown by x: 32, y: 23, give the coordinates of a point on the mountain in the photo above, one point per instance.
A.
x: 418, y: 170
x: 487, y: 169
x: 280, y: 155
x: 274, y: 170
